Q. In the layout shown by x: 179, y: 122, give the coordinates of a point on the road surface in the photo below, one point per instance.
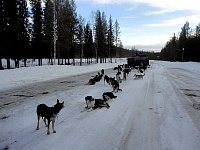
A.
x: 153, y: 113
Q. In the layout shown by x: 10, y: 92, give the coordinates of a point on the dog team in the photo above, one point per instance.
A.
x: 49, y: 114
x: 114, y: 83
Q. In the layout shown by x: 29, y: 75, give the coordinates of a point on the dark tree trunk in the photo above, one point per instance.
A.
x: 40, y: 61
x: 25, y: 62
x: 8, y: 63
x: 16, y: 63
x: 1, y: 66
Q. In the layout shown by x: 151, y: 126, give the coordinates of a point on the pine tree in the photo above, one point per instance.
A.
x: 10, y: 28
x: 48, y: 29
x: 184, y: 35
x: 184, y: 48
x: 88, y: 46
x: 100, y: 35
x: 67, y: 21
x: 2, y: 31
x: 80, y: 36
x: 116, y: 35
x: 97, y: 27
x: 110, y: 38
x: 104, y: 38
x: 22, y: 30
x: 197, y: 31
x: 14, y: 30
x: 37, y: 27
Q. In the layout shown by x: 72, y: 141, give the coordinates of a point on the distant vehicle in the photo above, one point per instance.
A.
x: 138, y: 60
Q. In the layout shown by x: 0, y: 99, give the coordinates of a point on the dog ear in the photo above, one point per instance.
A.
x: 57, y: 101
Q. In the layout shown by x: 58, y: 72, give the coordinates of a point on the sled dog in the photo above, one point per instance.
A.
x: 118, y: 77
x: 115, y: 85
x: 49, y: 114
x: 108, y: 95
x: 106, y: 79
x: 139, y: 76
x: 95, y: 79
x: 95, y: 103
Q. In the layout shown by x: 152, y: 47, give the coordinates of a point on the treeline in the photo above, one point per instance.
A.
x: 183, y: 47
x: 54, y: 30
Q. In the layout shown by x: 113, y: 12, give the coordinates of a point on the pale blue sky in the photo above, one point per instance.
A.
x: 145, y: 24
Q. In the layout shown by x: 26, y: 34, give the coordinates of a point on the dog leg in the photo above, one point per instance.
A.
x: 87, y: 102
x: 95, y: 106
x: 113, y: 89
x: 48, y: 132
x: 45, y: 122
x: 53, y: 122
x: 38, y: 122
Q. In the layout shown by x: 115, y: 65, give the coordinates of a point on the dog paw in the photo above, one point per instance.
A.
x: 37, y: 128
x: 48, y: 133
x: 54, y: 131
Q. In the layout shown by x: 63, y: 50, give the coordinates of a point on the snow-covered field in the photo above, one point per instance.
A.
x: 153, y: 113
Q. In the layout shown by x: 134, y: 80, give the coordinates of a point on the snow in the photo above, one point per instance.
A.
x: 153, y: 113
x: 27, y: 75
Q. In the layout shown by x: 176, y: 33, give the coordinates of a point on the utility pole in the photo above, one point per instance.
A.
x: 182, y: 53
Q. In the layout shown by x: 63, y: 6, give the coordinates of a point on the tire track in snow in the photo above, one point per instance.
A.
x: 137, y: 121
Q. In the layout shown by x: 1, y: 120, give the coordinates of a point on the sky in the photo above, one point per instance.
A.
x: 144, y: 24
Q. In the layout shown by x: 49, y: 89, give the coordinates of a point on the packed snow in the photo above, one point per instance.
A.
x: 153, y: 113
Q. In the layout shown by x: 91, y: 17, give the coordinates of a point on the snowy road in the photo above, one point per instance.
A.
x: 153, y: 113
x: 31, y: 91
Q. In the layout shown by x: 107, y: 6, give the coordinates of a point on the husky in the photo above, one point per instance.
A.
x: 124, y: 75
x: 91, y: 82
x: 95, y: 103
x: 98, y: 77
x: 49, y: 114
x: 127, y: 71
x: 139, y: 76
x: 115, y: 85
x: 106, y: 79
x: 95, y: 79
x: 108, y: 95
x: 118, y: 77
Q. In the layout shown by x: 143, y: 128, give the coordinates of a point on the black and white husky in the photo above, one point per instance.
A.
x: 108, y: 95
x: 95, y: 103
x: 115, y: 85
x: 49, y: 114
